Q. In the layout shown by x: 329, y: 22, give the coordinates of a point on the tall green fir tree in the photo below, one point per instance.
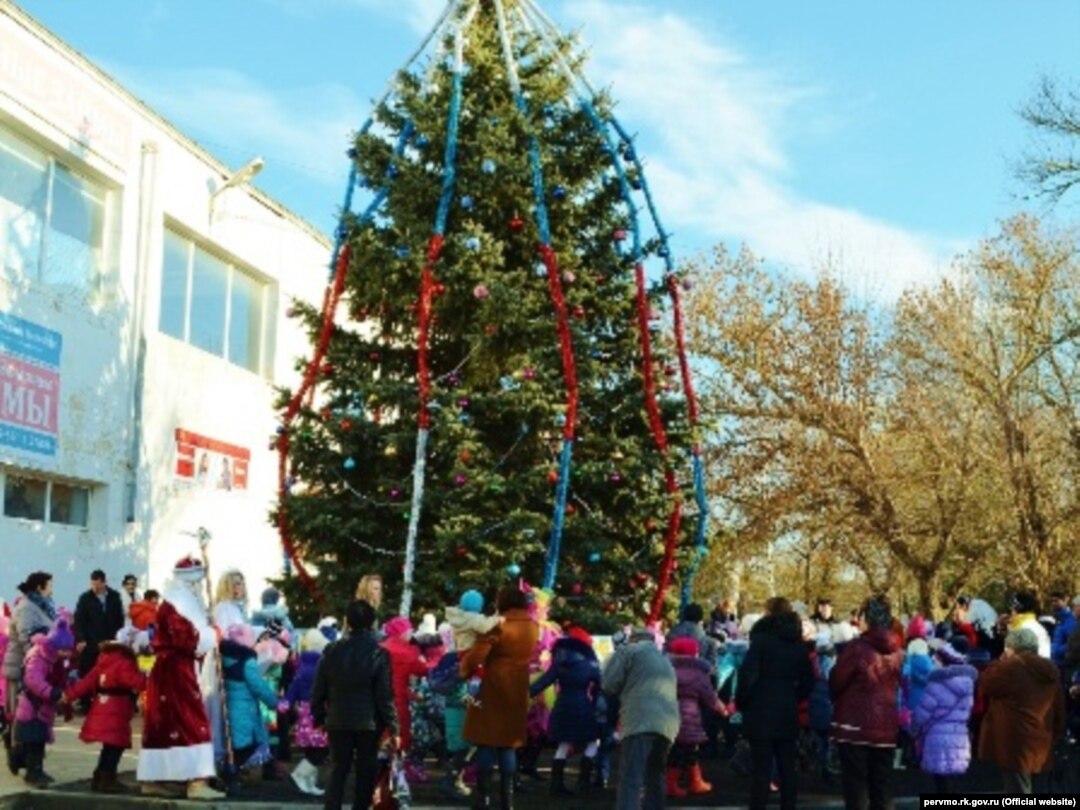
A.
x: 498, y: 385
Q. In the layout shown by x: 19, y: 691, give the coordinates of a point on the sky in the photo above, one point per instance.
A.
x: 878, y: 139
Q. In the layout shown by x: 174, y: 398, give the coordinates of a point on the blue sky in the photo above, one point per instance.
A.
x: 878, y: 137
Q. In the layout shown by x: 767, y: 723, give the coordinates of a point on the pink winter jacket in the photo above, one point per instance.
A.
x: 40, y: 692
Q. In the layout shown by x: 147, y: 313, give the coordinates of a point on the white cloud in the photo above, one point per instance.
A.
x: 305, y: 129
x: 714, y: 124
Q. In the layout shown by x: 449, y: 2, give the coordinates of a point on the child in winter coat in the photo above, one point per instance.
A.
x: 467, y: 622
x: 939, y: 723
x: 312, y: 741
x: 405, y: 662
x: 272, y: 611
x: 914, y: 675
x: 696, y: 696
x: 115, y: 683
x: 245, y: 689
x: 43, y: 685
x: 274, y: 655
x: 575, y: 670
x: 820, y: 702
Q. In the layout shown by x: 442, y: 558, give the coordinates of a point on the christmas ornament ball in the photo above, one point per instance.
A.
x: 513, y: 569
x: 350, y: 463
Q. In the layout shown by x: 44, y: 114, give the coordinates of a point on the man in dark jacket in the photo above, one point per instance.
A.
x: 353, y: 699
x: 863, y: 686
x: 99, y: 615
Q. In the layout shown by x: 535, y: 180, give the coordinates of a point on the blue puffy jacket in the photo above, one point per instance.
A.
x: 1059, y: 643
x: 576, y: 671
x: 244, y: 690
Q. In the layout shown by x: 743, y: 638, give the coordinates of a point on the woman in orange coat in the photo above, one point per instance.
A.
x: 497, y: 723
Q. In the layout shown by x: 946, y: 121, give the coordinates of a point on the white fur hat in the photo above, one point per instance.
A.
x: 314, y: 640
x: 918, y: 646
x: 428, y: 627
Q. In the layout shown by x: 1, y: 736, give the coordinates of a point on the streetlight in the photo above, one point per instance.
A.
x: 242, y: 175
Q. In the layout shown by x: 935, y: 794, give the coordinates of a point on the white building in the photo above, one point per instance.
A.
x: 142, y: 329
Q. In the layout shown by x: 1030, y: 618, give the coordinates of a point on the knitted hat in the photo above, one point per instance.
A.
x: 242, y: 634
x: 271, y: 596
x: 684, y: 645
x: 314, y: 641
x: 580, y: 634
x: 398, y: 626
x: 189, y: 569
x: 428, y: 627
x: 60, y: 637
x: 950, y: 655
x: 328, y: 626
x: 918, y: 627
x: 918, y: 646
x: 472, y: 602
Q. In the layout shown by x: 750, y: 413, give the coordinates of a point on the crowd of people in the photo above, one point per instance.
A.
x: 230, y: 691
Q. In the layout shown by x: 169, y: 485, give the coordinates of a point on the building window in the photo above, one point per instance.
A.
x: 52, y: 220
x: 213, y: 304
x: 33, y: 498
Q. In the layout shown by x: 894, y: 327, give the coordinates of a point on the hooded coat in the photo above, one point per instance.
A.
x: 1026, y: 713
x: 696, y: 696
x: 940, y: 720
x: 115, y: 683
x: 863, y: 687
x: 405, y: 662
x: 774, y: 679
x: 245, y: 689
x: 27, y: 616
x: 42, y: 686
x: 575, y: 670
x: 914, y: 677
x: 709, y: 649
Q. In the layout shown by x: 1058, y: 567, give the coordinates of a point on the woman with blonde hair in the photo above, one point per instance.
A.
x: 370, y: 589
x: 230, y: 600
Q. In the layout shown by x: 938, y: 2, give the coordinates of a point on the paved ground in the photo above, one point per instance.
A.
x: 71, y: 763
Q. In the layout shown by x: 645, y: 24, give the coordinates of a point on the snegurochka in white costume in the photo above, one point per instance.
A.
x: 177, y: 746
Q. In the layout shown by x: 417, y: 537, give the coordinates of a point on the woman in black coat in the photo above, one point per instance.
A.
x: 775, y: 677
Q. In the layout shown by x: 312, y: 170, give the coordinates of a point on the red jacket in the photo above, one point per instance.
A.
x: 115, y: 682
x: 863, y: 686
x: 405, y: 662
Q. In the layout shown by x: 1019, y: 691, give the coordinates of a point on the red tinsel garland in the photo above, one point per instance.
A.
x: 566, y: 343
x: 428, y: 290
x: 660, y: 437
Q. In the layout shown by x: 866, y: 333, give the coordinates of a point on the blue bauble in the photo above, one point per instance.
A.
x: 594, y: 557
x: 392, y: 171
x: 422, y: 141
x: 664, y: 251
x: 513, y: 569
x: 488, y: 166
x: 540, y: 269
x: 467, y: 202
x: 402, y: 251
x: 560, y: 420
x: 472, y: 243
x: 559, y: 193
x: 350, y: 463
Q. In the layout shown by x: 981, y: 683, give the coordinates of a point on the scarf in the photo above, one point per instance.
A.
x: 43, y: 602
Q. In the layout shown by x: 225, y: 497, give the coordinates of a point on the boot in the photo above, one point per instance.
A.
x: 95, y: 783
x: 506, y: 791
x: 108, y: 783
x: 558, y: 779
x: 482, y: 791
x: 199, y: 790
x: 305, y: 776
x: 673, y: 789
x: 584, y: 781
x: 697, y: 783
x: 527, y: 761
x: 35, y: 766
x: 16, y: 758
x: 451, y: 787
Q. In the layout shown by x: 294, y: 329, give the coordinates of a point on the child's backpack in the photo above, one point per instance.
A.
x: 444, y: 678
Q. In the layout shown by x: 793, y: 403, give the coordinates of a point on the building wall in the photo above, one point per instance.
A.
x: 125, y: 388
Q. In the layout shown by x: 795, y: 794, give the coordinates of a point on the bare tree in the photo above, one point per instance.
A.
x: 1052, y: 167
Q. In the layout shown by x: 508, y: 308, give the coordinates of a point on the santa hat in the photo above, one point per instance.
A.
x: 242, y: 634
x: 684, y: 645
x: 314, y: 640
x: 189, y: 569
x: 60, y: 637
x: 398, y: 626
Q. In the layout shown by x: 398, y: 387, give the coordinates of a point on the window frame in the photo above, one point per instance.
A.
x: 106, y: 190
x: 192, y: 244
x: 49, y: 481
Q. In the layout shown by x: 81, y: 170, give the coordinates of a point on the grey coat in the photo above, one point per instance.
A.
x: 643, y: 680
x: 25, y: 618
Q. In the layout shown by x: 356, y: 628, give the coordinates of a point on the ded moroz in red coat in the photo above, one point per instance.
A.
x: 115, y: 682
x: 176, y: 745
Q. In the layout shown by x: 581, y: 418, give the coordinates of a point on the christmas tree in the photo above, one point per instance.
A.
x: 478, y: 409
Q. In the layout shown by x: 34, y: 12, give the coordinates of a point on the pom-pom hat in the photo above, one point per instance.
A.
x: 472, y: 602
x: 398, y: 626
x: 683, y: 645
x: 60, y: 637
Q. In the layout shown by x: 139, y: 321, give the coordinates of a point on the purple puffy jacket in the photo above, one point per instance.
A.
x: 696, y: 694
x: 41, y: 686
x: 940, y: 721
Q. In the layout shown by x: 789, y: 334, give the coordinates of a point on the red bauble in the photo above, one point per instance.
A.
x: 553, y: 476
x: 490, y: 329
x: 346, y: 424
x: 327, y: 369
x: 462, y: 551
x: 570, y: 509
x: 577, y: 588
x: 579, y: 312
x: 325, y: 414
x: 465, y: 456
x: 516, y: 224
x: 374, y: 357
